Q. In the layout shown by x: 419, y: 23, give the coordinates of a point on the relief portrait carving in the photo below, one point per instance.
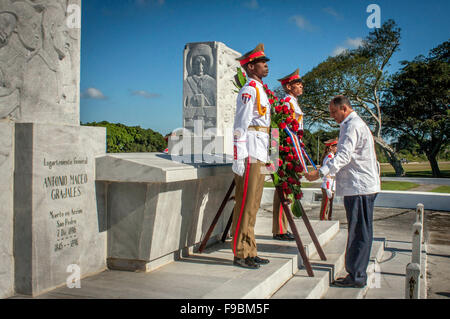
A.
x: 200, y: 86
x: 36, y: 67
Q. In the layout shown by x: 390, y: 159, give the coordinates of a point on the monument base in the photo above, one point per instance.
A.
x: 57, y: 238
x: 158, y: 209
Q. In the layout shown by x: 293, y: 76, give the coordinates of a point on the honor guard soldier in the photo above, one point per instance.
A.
x: 328, y: 184
x: 251, y: 145
x: 293, y: 87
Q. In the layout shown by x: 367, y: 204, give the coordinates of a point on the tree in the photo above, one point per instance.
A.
x: 360, y: 74
x: 130, y: 139
x: 417, y: 104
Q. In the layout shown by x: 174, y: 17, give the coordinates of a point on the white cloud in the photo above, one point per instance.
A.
x: 349, y: 44
x: 332, y: 12
x: 354, y: 43
x: 145, y: 94
x: 301, y: 22
x: 252, y: 4
x: 93, y: 93
x: 339, y: 50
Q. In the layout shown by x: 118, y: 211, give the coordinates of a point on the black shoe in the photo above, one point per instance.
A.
x: 245, y: 263
x: 284, y: 237
x: 261, y: 261
x: 290, y: 235
x: 347, y: 282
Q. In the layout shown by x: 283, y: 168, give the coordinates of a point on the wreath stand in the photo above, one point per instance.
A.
x: 290, y: 219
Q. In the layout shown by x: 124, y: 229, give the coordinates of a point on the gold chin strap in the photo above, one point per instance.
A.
x: 261, y: 111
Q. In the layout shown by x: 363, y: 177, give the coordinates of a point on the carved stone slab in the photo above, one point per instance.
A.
x: 208, y: 91
x: 39, y: 61
x: 56, y: 223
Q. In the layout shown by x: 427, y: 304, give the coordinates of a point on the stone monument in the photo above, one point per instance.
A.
x: 50, y: 225
x: 209, y: 100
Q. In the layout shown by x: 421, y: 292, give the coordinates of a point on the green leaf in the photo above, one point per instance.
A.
x: 297, y: 209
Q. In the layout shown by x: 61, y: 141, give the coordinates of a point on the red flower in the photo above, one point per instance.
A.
x: 270, y: 101
x: 282, y: 125
x: 282, y: 101
x: 289, y: 166
x: 287, y: 149
x: 294, y: 122
x: 278, y: 109
x: 288, y: 191
x: 265, y: 86
x: 280, y: 162
x: 287, y: 99
x: 285, y: 185
x: 290, y: 157
x: 300, y: 134
x: 299, y: 196
x: 281, y: 173
x: 276, y: 98
x: 281, y: 148
x: 288, y: 140
x: 289, y: 120
x: 291, y: 180
x: 252, y: 83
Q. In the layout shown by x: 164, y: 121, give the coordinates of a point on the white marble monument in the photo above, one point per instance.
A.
x: 209, y: 100
x: 50, y: 225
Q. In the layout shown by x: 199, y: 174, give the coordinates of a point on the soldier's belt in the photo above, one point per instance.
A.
x: 259, y: 129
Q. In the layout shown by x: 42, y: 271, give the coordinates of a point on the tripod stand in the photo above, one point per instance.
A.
x: 287, y: 210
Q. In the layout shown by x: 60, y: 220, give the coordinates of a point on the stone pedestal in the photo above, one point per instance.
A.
x: 158, y: 208
x: 208, y: 91
x: 56, y: 224
x: 6, y: 208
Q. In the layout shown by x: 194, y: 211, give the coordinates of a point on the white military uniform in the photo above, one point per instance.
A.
x: 298, y: 111
x: 250, y: 142
x: 328, y: 181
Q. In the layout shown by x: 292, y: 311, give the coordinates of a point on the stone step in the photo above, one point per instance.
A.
x: 376, y: 255
x: 209, y: 275
x: 301, y: 286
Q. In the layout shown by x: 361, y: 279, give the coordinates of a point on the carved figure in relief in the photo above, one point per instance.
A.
x: 36, y: 68
x: 199, y: 86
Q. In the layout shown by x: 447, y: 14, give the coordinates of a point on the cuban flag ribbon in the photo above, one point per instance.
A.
x: 297, y: 147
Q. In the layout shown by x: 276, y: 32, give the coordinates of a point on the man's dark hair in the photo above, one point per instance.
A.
x: 340, y: 100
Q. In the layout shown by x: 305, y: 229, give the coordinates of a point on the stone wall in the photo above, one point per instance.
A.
x: 6, y: 208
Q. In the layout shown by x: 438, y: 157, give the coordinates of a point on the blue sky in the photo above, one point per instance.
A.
x: 132, y: 50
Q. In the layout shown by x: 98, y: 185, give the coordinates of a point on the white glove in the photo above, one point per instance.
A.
x: 329, y: 193
x: 239, y: 167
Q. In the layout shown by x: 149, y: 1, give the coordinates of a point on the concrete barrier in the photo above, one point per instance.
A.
x: 393, y: 199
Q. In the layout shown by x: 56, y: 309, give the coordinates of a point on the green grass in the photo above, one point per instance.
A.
x: 422, y: 169
x: 397, y: 186
x: 441, y: 189
x: 386, y: 185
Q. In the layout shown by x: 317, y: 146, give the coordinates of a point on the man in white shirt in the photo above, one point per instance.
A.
x: 251, y: 147
x: 358, y: 180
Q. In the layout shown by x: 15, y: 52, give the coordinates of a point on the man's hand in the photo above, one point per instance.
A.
x: 312, y: 176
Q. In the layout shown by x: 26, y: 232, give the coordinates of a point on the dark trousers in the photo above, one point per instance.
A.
x: 359, y: 211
